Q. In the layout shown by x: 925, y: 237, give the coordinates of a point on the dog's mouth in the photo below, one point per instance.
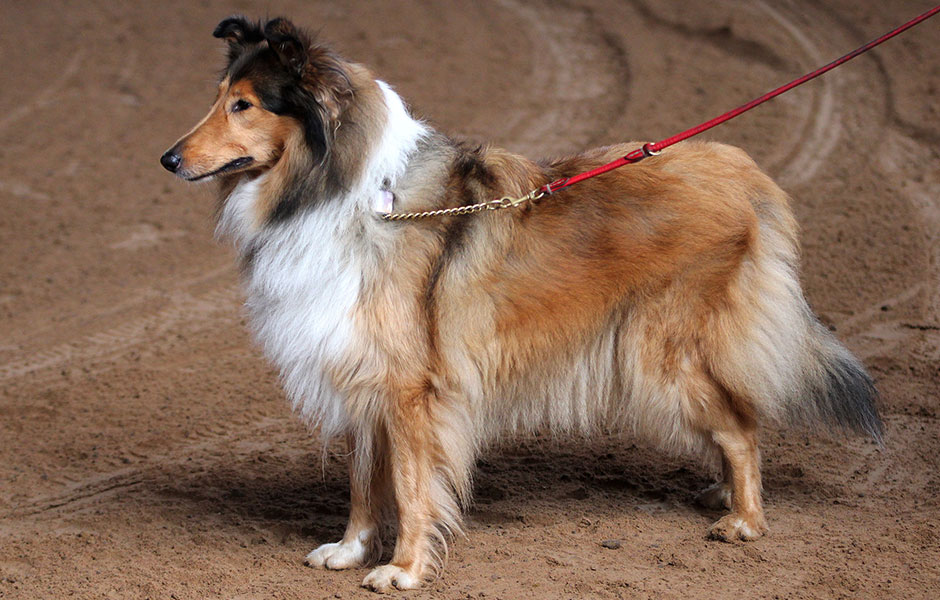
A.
x: 234, y: 165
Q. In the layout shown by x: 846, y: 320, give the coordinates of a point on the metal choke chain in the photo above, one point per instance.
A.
x: 498, y: 204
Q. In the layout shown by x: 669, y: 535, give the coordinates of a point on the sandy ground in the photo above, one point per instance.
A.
x: 146, y: 450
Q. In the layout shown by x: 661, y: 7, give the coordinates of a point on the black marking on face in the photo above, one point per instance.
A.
x: 280, y: 92
x: 228, y: 167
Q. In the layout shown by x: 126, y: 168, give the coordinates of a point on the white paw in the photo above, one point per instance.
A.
x: 389, y: 577
x: 341, y: 555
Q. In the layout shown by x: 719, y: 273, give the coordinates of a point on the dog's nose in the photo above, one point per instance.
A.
x: 171, y: 161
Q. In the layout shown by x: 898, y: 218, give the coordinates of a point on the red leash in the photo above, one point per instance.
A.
x: 647, y: 150
x: 652, y: 149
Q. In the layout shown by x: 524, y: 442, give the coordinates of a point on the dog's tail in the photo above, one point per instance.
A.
x: 779, y: 357
x: 834, y: 389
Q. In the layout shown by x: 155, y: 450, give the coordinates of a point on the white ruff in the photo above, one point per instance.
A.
x: 307, y: 272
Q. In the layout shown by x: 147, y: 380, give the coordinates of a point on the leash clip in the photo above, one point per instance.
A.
x: 510, y: 202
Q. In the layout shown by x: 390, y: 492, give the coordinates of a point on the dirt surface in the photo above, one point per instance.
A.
x: 146, y: 450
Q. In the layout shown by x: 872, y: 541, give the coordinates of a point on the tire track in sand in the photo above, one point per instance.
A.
x: 111, y: 343
x: 821, y: 119
x: 47, y: 95
x: 561, y: 47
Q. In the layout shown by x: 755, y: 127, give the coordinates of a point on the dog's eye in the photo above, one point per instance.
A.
x: 241, y: 105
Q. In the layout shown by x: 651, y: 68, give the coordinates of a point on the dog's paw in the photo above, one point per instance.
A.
x: 341, y: 555
x: 715, y: 497
x: 738, y: 527
x: 389, y: 577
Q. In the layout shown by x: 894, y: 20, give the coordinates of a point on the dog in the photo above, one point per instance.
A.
x: 661, y: 300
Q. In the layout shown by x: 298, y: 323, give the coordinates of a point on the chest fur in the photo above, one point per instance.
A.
x: 302, y: 288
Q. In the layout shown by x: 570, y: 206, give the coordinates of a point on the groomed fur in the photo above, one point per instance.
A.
x: 661, y: 299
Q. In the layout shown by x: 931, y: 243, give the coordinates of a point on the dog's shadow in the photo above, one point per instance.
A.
x: 278, y: 497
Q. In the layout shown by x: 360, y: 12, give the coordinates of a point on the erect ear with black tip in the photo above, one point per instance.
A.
x: 288, y: 43
x: 239, y: 32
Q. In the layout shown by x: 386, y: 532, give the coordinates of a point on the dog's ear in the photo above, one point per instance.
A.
x: 288, y: 43
x: 239, y: 32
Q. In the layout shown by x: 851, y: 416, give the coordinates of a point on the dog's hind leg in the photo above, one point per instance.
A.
x: 718, y: 496
x: 361, y: 544
x: 729, y: 422
x: 742, y: 458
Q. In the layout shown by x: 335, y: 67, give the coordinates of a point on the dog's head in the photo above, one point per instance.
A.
x: 278, y: 85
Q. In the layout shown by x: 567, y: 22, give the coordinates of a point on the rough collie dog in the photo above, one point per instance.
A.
x: 661, y: 299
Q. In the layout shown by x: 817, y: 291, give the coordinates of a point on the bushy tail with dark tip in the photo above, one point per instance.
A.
x: 777, y: 355
x: 837, y: 391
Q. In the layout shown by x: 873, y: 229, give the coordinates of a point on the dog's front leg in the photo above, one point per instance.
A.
x: 410, y: 443
x: 361, y: 544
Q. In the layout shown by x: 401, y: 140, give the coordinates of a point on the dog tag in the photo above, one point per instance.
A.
x: 383, y: 201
